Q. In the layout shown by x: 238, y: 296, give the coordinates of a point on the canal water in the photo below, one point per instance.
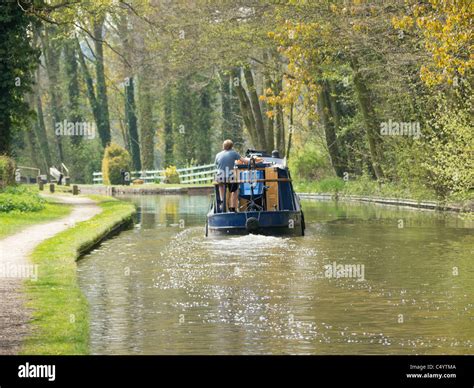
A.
x: 365, y: 279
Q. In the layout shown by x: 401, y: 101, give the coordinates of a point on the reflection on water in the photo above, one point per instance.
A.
x: 163, y: 288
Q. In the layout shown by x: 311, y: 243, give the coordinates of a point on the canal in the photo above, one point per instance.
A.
x: 365, y: 279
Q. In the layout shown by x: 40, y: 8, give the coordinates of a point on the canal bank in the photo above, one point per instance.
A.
x: 465, y: 206
x: 59, y: 311
x: 460, y: 206
x: 149, y: 189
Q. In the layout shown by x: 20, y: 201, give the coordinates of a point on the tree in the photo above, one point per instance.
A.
x: 231, y: 127
x: 126, y: 38
x: 131, y: 121
x: 145, y: 118
x: 168, y: 127
x: 72, y: 79
x: 102, y: 99
x: 18, y: 62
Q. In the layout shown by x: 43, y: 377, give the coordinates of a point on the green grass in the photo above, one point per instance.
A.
x: 60, y: 311
x: 20, y: 199
x: 368, y: 187
x: 15, y: 221
x: 327, y: 185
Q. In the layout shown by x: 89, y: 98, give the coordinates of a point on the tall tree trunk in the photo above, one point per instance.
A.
x: 370, y: 119
x: 51, y: 54
x: 32, y: 146
x: 125, y: 136
x: 226, y: 108
x: 104, y: 123
x: 280, y: 130
x: 279, y: 120
x: 40, y: 131
x: 32, y: 140
x: 89, y: 86
x: 40, y: 127
x: 204, y: 124
x: 130, y: 106
x: 246, y: 109
x: 327, y: 112
x: 290, y: 133
x: 74, y: 113
x: 231, y: 127
x: 256, y: 109
x: 168, y: 124
x: 131, y: 120
x: 270, y: 122
x: 145, y: 119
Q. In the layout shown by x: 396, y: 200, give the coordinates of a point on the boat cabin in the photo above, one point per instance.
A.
x: 267, y: 203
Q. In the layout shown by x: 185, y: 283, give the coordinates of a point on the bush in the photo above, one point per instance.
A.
x: 309, y: 163
x: 116, y: 158
x: 7, y: 171
x: 171, y: 175
x: 20, y: 199
x: 448, y: 160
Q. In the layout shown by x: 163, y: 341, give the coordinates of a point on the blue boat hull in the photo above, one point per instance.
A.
x: 285, y: 222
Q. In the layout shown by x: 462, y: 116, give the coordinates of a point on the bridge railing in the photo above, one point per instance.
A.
x: 190, y: 175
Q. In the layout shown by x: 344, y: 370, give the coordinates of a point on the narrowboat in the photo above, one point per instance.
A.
x: 267, y: 202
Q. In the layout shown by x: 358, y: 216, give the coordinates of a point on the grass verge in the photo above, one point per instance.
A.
x: 60, y: 322
x: 15, y: 221
x: 368, y: 187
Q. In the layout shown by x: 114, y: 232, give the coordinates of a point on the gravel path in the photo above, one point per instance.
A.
x: 15, y: 266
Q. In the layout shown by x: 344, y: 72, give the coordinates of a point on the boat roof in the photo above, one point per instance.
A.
x: 277, y: 162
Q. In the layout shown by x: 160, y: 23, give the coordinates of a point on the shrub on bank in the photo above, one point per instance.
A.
x: 21, y: 199
x: 7, y: 171
x: 116, y: 158
x: 171, y: 175
x: 309, y: 163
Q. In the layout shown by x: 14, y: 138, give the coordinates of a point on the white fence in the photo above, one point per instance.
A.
x: 198, y: 174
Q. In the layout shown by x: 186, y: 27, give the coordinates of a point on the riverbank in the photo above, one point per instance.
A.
x: 343, y: 192
x: 13, y: 222
x: 466, y: 206
x: 147, y: 189
x: 367, y: 190
x: 17, y: 231
x: 60, y: 323
x: 15, y: 265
